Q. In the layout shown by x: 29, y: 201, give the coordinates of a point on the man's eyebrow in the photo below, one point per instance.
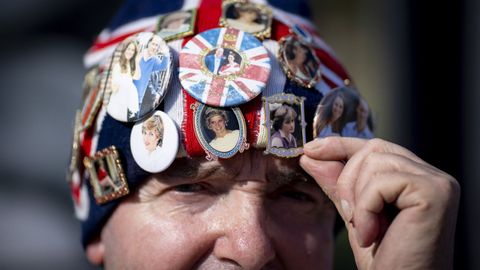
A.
x: 194, y: 170
x: 289, y: 176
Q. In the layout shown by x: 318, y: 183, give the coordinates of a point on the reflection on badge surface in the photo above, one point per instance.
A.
x: 252, y: 18
x: 138, y: 77
x: 220, y: 131
x: 154, y: 142
x: 302, y: 33
x: 224, y: 67
x: 343, y: 112
x: 285, y: 124
x: 106, y: 175
x: 177, y: 24
x: 93, y: 99
x: 299, y: 61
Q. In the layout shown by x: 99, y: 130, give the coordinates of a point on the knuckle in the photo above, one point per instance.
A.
x: 376, y: 144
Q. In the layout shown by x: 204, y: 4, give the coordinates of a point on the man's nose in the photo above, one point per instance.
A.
x: 244, y: 236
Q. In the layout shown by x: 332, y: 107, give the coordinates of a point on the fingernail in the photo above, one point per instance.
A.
x: 347, y: 211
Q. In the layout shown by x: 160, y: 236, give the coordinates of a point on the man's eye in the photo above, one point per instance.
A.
x: 297, y: 196
x: 189, y: 188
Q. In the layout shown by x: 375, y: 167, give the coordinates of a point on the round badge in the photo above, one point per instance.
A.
x: 138, y: 77
x: 154, y: 142
x: 299, y: 61
x: 224, y: 67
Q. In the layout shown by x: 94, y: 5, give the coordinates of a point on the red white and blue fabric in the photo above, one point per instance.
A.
x: 220, y: 91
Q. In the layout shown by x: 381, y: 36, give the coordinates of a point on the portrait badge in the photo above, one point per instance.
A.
x: 285, y: 124
x: 299, y: 61
x: 343, y: 112
x: 220, y: 131
x: 138, y: 77
x: 252, y: 18
x: 177, y: 24
x: 224, y: 67
x: 302, y: 34
x: 75, y: 155
x: 106, y: 175
x: 154, y: 142
x: 94, y: 89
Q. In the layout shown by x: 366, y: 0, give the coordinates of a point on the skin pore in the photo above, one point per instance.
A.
x: 248, y: 212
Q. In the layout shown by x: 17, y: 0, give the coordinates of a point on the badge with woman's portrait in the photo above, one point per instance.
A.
x: 154, y: 142
x: 224, y: 67
x: 138, y: 77
x: 252, y: 18
x: 285, y: 123
x: 343, y: 112
x: 220, y: 131
x: 106, y: 175
x: 299, y: 61
x: 176, y: 24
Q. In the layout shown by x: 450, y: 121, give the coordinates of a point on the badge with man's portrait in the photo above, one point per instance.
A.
x: 138, y: 77
x: 154, y: 142
x: 252, y: 18
x: 299, y: 61
x: 224, y: 67
x: 220, y: 131
x: 106, y: 175
x: 343, y: 112
x: 285, y: 125
x: 176, y: 24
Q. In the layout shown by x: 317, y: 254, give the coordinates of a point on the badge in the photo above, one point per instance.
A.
x: 93, y: 100
x: 176, y: 24
x: 138, y: 77
x: 106, y: 175
x: 285, y: 123
x: 252, y: 18
x: 343, y: 112
x: 302, y: 34
x: 299, y: 61
x: 220, y: 131
x: 154, y: 142
x: 224, y: 67
x: 75, y: 156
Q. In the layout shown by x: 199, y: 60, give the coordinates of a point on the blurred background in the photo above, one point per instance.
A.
x: 416, y: 63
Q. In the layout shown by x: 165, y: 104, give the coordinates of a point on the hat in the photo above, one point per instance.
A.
x: 110, y: 139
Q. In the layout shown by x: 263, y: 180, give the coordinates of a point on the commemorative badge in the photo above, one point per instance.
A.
x: 285, y: 124
x: 177, y: 24
x: 154, y: 142
x: 252, y: 18
x: 299, y: 61
x: 106, y: 175
x: 75, y: 155
x: 302, y: 33
x: 93, y: 97
x: 343, y: 112
x: 138, y: 77
x: 224, y: 67
x: 220, y: 131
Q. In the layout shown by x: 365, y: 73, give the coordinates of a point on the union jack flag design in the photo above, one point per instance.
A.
x: 224, y: 90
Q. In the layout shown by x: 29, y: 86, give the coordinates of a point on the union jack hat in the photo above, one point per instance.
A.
x: 112, y: 138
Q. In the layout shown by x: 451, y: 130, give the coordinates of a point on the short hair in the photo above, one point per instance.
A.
x: 211, y: 112
x: 284, y: 112
x: 291, y: 55
x: 154, y: 123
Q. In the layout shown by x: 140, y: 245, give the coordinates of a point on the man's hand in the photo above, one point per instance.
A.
x: 400, y: 212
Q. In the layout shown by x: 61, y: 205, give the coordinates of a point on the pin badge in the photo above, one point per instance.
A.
x: 220, y: 131
x: 343, y: 112
x: 285, y: 123
x: 176, y: 24
x: 75, y: 155
x: 299, y: 61
x: 93, y: 99
x: 138, y: 77
x: 154, y: 142
x: 106, y: 175
x: 252, y: 18
x: 224, y: 67
x: 303, y: 34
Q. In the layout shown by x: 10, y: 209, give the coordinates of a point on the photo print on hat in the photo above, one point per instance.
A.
x: 176, y: 24
x: 285, y: 125
x: 252, y: 18
x: 138, y: 77
x: 154, y: 142
x: 220, y: 131
x: 343, y: 112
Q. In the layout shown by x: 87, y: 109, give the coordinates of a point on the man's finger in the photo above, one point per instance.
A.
x: 333, y: 148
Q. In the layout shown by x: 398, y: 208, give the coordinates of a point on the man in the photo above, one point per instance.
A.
x: 257, y: 211
x: 215, y: 60
x: 359, y: 128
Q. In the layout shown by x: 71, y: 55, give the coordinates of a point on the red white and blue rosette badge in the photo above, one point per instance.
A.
x: 224, y: 67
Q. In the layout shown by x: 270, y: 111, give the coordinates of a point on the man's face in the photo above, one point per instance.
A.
x: 153, y: 45
x: 219, y: 52
x: 248, y: 212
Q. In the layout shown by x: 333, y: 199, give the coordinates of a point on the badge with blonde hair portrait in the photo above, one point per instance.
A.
x: 285, y: 123
x: 252, y: 18
x: 220, y: 131
x: 154, y: 142
x: 177, y: 24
